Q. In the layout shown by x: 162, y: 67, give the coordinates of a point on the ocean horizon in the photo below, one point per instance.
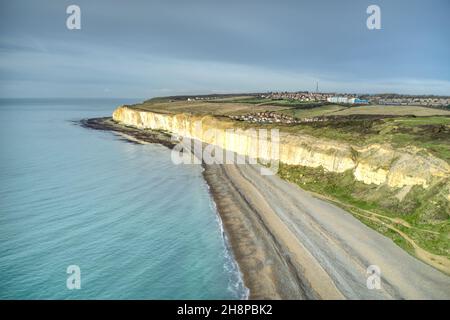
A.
x: 137, y: 226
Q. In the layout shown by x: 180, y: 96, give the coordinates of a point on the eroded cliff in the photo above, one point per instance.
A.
x: 373, y: 164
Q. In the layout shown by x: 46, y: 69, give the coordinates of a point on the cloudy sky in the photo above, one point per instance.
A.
x: 154, y: 48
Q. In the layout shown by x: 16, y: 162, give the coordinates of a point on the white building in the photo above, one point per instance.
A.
x: 339, y: 100
x: 347, y: 100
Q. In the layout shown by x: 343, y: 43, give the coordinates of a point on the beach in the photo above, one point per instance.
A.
x: 292, y: 245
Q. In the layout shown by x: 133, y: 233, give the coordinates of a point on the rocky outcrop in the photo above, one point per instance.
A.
x: 373, y: 164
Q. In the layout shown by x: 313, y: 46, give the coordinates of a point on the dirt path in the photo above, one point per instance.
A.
x: 329, y: 248
x: 439, y: 262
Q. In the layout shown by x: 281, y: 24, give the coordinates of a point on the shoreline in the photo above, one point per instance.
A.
x: 259, y: 258
x: 290, y: 245
x: 242, y: 241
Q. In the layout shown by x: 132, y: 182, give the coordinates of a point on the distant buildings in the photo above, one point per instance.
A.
x: 305, y: 96
x: 410, y: 100
x: 344, y: 98
x: 359, y: 101
x: 338, y: 99
x: 349, y: 100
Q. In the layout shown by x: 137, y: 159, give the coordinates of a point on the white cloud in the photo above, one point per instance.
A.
x: 66, y: 70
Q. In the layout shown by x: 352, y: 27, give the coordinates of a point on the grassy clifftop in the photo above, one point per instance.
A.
x: 402, y: 126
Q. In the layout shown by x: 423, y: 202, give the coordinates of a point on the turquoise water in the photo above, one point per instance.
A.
x: 138, y: 226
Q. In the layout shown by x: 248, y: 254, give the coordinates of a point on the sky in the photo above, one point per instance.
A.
x: 142, y: 49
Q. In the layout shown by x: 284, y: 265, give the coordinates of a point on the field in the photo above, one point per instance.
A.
x: 386, y: 110
x: 250, y: 104
x: 210, y: 107
x: 429, y: 133
x: 313, y: 112
x: 393, y: 110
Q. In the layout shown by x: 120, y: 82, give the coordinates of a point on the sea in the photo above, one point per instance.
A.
x: 85, y: 214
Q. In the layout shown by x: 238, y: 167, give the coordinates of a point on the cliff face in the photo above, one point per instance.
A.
x: 373, y: 164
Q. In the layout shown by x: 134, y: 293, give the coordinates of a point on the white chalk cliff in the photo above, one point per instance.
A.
x: 373, y: 164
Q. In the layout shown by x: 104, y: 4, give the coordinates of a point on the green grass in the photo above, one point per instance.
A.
x: 289, y: 103
x: 424, y: 209
x: 394, y: 110
x: 412, y: 122
x: 394, y: 236
x: 245, y: 99
x: 312, y: 112
x: 432, y: 134
x: 429, y: 133
x: 293, y: 103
